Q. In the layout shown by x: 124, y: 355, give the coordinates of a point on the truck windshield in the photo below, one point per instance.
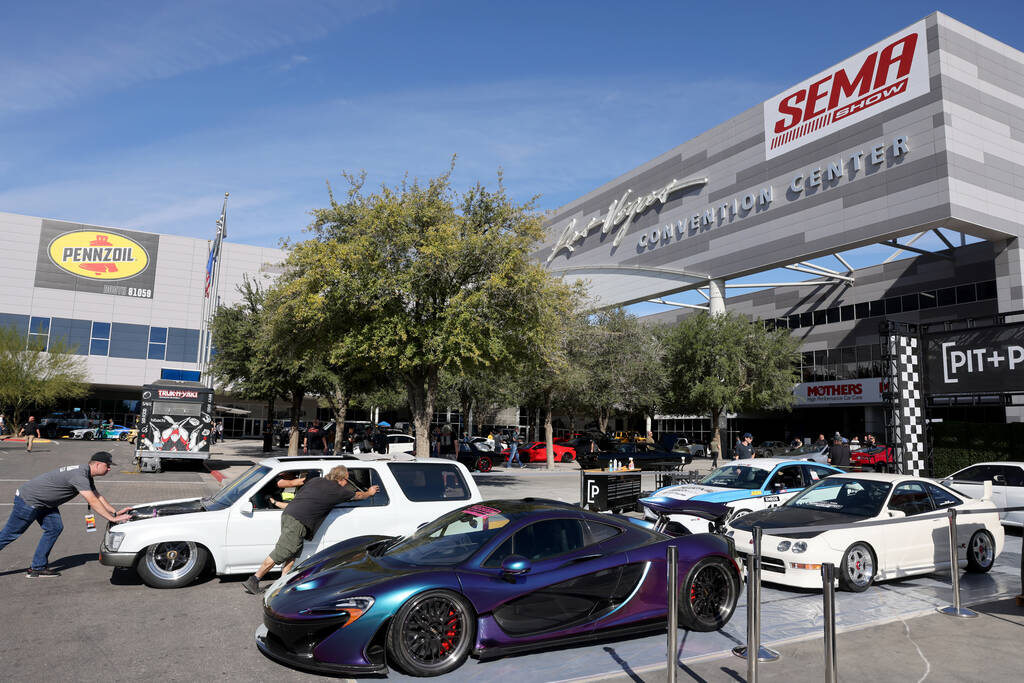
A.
x: 237, y: 488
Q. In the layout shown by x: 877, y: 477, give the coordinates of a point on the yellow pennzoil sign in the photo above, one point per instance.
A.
x: 98, y: 255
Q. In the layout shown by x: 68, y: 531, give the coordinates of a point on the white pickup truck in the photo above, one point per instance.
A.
x: 171, y: 542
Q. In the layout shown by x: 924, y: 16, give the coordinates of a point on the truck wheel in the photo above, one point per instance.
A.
x: 172, y: 564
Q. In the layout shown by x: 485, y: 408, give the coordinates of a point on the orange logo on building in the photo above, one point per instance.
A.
x: 98, y: 255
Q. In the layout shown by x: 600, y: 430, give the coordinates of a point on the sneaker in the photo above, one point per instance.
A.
x: 41, y: 573
x: 252, y: 585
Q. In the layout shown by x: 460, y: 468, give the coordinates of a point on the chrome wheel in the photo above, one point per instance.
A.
x: 172, y: 560
x: 858, y: 569
x: 981, y: 552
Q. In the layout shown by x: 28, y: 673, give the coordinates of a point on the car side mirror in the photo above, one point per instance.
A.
x: 513, y: 566
x: 897, y: 514
x: 246, y: 508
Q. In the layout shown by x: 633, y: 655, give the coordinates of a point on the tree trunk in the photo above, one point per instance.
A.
x: 548, y: 436
x: 293, y: 435
x: 270, y: 421
x: 716, y: 436
x: 422, y: 392
x: 339, y: 404
x: 469, y: 417
x: 603, y: 415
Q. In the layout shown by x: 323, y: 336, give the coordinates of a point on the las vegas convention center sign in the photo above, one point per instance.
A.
x: 883, y: 76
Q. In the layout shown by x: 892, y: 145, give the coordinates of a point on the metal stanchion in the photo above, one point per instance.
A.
x: 828, y: 595
x: 955, y: 610
x: 764, y: 654
x: 673, y: 612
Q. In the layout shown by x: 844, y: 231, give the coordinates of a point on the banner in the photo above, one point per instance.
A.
x: 987, y: 360
x: 82, y: 258
x: 839, y: 392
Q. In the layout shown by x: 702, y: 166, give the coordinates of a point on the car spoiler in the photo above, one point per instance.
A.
x: 664, y: 505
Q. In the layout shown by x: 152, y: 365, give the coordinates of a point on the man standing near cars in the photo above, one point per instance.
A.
x: 30, y: 430
x: 744, y: 449
x: 513, y: 449
x: 38, y: 500
x: 303, y: 516
x: 315, y: 438
x: 839, y: 452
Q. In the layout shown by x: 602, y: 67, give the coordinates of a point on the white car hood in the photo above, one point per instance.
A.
x: 688, y: 491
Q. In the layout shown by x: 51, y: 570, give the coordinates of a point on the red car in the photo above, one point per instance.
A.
x: 538, y: 452
x: 877, y: 458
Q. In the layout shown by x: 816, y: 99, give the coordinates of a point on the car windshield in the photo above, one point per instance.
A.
x: 805, y: 449
x: 451, y: 539
x: 857, y: 497
x: 737, y: 477
x: 238, y: 487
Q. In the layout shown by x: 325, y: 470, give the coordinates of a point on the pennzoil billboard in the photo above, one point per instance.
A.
x: 83, y: 258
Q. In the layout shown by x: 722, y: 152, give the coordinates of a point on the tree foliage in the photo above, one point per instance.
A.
x: 726, y: 363
x: 416, y: 279
x: 32, y: 376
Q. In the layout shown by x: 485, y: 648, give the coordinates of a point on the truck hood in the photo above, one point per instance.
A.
x: 167, y: 508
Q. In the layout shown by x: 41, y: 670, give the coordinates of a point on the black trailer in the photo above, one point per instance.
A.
x: 175, y: 423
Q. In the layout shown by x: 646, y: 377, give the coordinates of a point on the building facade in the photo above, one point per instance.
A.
x: 922, y: 132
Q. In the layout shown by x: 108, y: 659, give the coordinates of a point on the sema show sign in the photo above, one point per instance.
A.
x: 886, y: 74
x: 99, y: 260
x: 839, y: 392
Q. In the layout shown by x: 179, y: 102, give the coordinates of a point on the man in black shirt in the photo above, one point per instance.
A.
x: 839, y: 452
x: 303, y: 516
x: 31, y: 431
x: 744, y: 449
x: 316, y: 438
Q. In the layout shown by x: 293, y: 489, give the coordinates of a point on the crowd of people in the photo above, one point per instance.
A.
x: 839, y: 447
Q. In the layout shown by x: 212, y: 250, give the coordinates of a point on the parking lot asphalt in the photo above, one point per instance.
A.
x: 95, y: 623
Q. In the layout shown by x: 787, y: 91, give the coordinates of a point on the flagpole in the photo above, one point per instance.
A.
x: 212, y: 294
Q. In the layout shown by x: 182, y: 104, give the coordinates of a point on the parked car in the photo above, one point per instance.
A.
x: 475, y: 457
x: 684, y: 446
x: 810, y: 452
x: 1007, y: 486
x: 769, y: 449
x: 170, y: 543
x: 397, y: 443
x: 537, y: 451
x: 873, y: 459
x: 869, y: 552
x: 117, y: 432
x: 743, y: 487
x: 489, y: 579
x: 645, y: 456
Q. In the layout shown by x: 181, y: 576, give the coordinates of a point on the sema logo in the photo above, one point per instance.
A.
x: 98, y: 255
x: 886, y: 74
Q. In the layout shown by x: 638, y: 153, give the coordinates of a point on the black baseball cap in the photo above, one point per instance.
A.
x: 104, y: 457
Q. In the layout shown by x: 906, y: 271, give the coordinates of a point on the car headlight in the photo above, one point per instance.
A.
x: 353, y: 607
x: 113, y: 540
x: 799, y: 547
x: 783, y: 546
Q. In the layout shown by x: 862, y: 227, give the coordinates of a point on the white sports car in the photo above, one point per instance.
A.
x: 866, y: 552
x: 171, y: 542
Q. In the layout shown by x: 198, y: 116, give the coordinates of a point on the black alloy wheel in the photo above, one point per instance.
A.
x: 483, y: 464
x: 432, y: 633
x: 709, y: 595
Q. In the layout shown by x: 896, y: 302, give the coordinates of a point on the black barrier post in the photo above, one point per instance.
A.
x: 955, y: 610
x: 828, y: 594
x: 762, y: 654
x: 673, y: 611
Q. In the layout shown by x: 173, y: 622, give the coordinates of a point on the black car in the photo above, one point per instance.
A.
x: 646, y: 456
x: 476, y: 458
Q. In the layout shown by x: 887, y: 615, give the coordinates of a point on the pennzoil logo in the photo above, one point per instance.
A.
x: 98, y: 255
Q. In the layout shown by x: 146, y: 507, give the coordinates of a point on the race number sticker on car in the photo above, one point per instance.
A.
x: 771, y: 499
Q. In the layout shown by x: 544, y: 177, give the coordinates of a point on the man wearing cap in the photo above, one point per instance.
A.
x: 744, y: 449
x: 839, y: 452
x: 39, y: 499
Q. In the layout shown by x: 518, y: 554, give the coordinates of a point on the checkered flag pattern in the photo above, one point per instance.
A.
x: 909, y: 447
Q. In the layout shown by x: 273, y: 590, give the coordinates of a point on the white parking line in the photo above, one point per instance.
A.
x: 120, y: 481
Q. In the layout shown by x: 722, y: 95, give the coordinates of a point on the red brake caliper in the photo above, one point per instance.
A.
x: 449, y: 632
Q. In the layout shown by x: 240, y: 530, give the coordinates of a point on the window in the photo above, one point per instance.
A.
x: 941, y: 497
x: 847, y: 312
x: 422, y: 482
x: 794, y: 321
x: 789, y: 477
x: 911, y: 499
x: 927, y: 299
x: 39, y: 333
x: 910, y: 302
x: 987, y: 290
x: 362, y: 478
x: 877, y: 308
x: 976, y: 474
x: 1014, y: 475
x: 819, y: 318
x: 861, y: 310
x: 946, y: 297
x: 965, y: 294
x: 157, y: 343
x: 601, y: 532
x: 547, y: 539
x: 893, y: 305
x: 100, y: 340
x: 806, y: 319
x: 817, y: 472
x: 832, y: 315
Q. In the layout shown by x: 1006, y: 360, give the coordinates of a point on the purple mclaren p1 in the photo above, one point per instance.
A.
x: 491, y: 579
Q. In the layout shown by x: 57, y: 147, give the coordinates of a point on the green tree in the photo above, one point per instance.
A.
x: 725, y: 363
x: 416, y: 280
x: 33, y: 376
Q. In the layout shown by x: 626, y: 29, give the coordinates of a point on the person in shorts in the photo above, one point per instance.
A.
x: 303, y: 516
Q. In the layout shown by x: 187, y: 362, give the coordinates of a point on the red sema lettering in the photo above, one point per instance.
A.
x: 878, y: 76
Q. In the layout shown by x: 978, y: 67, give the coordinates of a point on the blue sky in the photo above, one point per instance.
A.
x: 142, y: 115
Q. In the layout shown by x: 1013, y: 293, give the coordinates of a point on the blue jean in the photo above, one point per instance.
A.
x: 513, y: 454
x: 22, y: 516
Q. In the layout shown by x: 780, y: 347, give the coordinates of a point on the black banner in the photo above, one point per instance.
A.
x: 987, y: 360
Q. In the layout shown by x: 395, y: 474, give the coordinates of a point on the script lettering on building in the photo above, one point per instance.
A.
x: 888, y: 73
x: 620, y: 212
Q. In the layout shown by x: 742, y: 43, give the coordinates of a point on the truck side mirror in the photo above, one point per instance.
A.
x: 246, y: 508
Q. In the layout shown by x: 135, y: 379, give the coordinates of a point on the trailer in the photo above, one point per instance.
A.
x: 175, y: 423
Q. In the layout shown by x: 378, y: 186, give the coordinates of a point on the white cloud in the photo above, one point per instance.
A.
x: 292, y: 62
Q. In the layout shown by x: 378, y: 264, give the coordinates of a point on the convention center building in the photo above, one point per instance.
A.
x: 920, y: 134
x: 130, y: 303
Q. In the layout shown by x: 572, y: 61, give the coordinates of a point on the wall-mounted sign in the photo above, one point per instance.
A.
x: 839, y: 392
x: 987, y: 360
x: 99, y: 260
x: 886, y: 74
